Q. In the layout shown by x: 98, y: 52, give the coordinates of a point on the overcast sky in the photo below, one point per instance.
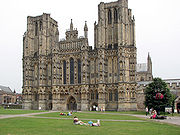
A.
x: 157, y: 32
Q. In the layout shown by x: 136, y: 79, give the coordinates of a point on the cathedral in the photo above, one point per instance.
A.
x: 71, y: 75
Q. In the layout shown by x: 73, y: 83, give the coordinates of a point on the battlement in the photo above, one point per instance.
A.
x: 44, y: 17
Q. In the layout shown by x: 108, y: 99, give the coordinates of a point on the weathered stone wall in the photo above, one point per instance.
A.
x: 69, y: 74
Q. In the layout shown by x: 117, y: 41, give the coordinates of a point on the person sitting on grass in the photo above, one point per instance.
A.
x: 153, y: 115
x: 77, y: 122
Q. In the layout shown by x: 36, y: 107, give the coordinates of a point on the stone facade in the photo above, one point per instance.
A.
x: 69, y: 74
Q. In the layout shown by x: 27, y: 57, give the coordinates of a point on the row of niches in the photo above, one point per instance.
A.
x: 70, y: 45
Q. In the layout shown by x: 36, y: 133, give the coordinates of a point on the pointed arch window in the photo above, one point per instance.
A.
x: 36, y: 29
x: 71, y: 71
x: 79, y: 71
x: 40, y: 25
x: 115, y: 16
x: 92, y: 96
x: 36, y: 97
x: 116, y: 95
x: 109, y: 17
x: 97, y: 95
x: 110, y: 96
x: 64, y: 72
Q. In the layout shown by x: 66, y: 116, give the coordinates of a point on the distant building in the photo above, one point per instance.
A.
x: 144, y: 70
x: 7, y: 96
x: 173, y: 85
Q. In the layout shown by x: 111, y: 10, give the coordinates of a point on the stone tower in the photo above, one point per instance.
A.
x: 116, y: 31
x: 39, y: 39
x: 149, y: 65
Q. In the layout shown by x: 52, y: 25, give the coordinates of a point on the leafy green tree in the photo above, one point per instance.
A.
x: 157, y: 95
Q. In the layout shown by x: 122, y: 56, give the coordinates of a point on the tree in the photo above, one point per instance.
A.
x: 157, y: 95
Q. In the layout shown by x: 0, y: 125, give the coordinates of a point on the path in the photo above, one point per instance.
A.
x: 23, y: 115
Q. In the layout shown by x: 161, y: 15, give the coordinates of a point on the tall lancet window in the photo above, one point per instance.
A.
x: 71, y: 71
x: 116, y: 95
x: 79, y: 71
x: 109, y: 17
x: 64, y: 72
x: 36, y: 29
x: 115, y: 16
x: 40, y: 27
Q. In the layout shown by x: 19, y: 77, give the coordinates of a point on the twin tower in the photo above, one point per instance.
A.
x: 70, y: 75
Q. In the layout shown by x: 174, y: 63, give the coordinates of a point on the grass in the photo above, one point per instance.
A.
x: 92, y: 116
x: 128, y: 112
x: 38, y: 126
x: 43, y: 126
x: 16, y: 111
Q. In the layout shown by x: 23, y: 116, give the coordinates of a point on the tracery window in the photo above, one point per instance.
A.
x: 64, y: 72
x: 40, y: 25
x: 36, y: 29
x: 116, y: 95
x: 110, y: 96
x: 50, y: 96
x: 115, y: 16
x: 109, y: 17
x: 92, y: 96
x: 36, y: 97
x: 97, y: 95
x: 71, y: 71
x: 79, y: 71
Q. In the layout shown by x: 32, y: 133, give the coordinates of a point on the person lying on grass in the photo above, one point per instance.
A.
x: 94, y: 124
x: 68, y: 114
x: 62, y: 114
x: 77, y: 122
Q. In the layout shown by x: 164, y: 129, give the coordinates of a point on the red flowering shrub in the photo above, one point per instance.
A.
x: 159, y: 96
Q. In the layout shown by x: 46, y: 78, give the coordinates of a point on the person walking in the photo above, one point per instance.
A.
x: 146, y: 111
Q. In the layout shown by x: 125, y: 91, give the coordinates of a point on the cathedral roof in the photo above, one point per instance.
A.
x: 141, y: 67
x: 5, y: 89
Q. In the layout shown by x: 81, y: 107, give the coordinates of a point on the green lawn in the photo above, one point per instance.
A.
x: 92, y: 116
x: 43, y: 126
x: 127, y: 112
x: 16, y: 111
x: 38, y: 126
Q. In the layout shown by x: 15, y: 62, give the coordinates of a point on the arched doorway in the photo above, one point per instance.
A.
x: 94, y: 106
x: 50, y: 106
x: 71, y: 104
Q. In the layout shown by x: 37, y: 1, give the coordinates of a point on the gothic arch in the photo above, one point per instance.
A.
x: 64, y: 72
x: 36, y: 29
x: 93, y: 106
x: 71, y: 103
x: 109, y: 17
x: 115, y: 16
x: 71, y: 71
